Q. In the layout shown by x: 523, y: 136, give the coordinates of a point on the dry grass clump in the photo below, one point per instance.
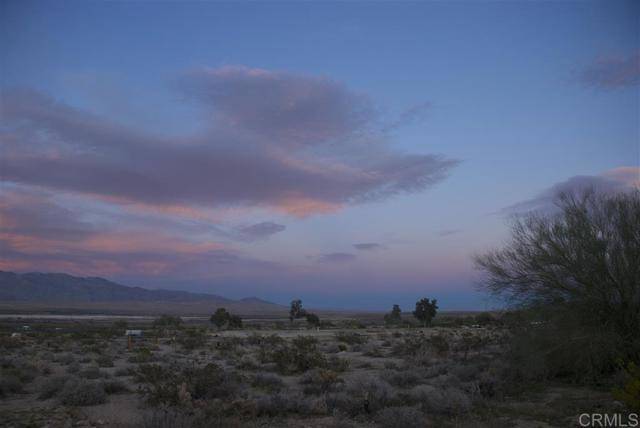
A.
x: 81, y: 392
x: 268, y: 382
x: 401, y: 416
x: 176, y: 386
x: 321, y: 381
x: 402, y: 379
x: 282, y: 404
x: 448, y: 401
x: 51, y: 386
x: 351, y: 338
x: 364, y: 394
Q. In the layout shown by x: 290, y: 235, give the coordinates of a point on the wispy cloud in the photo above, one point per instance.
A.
x: 616, y: 180
x: 276, y: 140
x: 38, y: 233
x: 336, y: 258
x: 368, y: 246
x: 612, y: 72
x: 259, y: 231
x: 448, y: 232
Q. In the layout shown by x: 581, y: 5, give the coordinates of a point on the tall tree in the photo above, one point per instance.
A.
x: 296, y: 310
x: 581, y: 266
x: 426, y: 310
x: 395, y: 316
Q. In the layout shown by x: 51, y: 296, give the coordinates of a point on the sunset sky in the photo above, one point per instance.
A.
x: 353, y: 155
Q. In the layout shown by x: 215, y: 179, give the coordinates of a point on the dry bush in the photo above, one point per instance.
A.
x: 65, y: 358
x: 10, y: 384
x: 174, y: 386
x: 300, y: 355
x: 363, y: 394
x: 80, y: 392
x: 51, y: 386
x: 93, y: 372
x: 248, y: 362
x: 351, y: 338
x: 442, y: 400
x: 282, y: 404
x: 321, y: 381
x: 104, y: 361
x: 402, y: 416
x: 401, y: 379
x: 114, y: 386
x: 268, y: 382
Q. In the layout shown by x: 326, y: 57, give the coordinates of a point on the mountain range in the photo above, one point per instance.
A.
x: 56, y: 290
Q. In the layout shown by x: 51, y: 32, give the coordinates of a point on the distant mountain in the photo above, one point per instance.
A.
x: 60, y: 288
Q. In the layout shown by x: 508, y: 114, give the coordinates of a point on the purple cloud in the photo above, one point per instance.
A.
x: 622, y: 179
x: 37, y: 233
x: 241, y: 160
x: 282, y: 107
x: 259, y: 231
x: 336, y: 258
x: 368, y: 246
x: 448, y: 232
x: 613, y: 72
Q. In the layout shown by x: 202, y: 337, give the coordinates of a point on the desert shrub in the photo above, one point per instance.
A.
x: 332, y: 348
x: 402, y: 416
x: 254, y: 339
x: 300, y: 355
x: 373, y: 351
x: 410, y: 345
x: 443, y: 400
x: 169, y: 418
x: 167, y: 322
x: 281, y: 404
x: 174, y: 387
x: 141, y: 354
x: 629, y: 393
x: 10, y: 384
x: 114, y: 386
x: 65, y: 359
x: 320, y: 381
x: 228, y: 345
x: 222, y: 318
x: 268, y: 382
x: 51, y: 386
x: 351, y: 338
x: 92, y: 373
x: 338, y: 364
x: 74, y: 367
x: 342, y: 347
x: 192, y: 338
x: 401, y: 379
x: 365, y: 395
x: 247, y: 362
x: 8, y: 342
x: 104, y: 361
x: 124, y: 371
x: 440, y: 344
x: 14, y: 375
x: 80, y: 392
x: 390, y: 365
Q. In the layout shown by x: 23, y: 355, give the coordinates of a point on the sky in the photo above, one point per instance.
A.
x: 351, y: 154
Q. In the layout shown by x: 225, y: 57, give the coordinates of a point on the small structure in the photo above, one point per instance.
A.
x: 16, y: 335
